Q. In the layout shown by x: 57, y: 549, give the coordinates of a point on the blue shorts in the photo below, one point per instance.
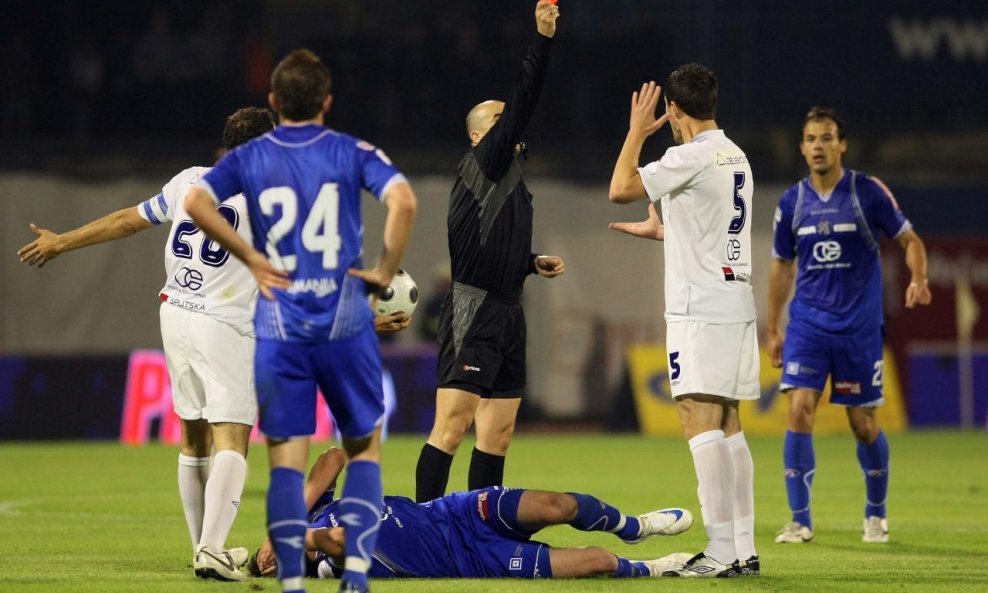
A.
x: 485, y: 522
x: 348, y: 372
x: 854, y: 364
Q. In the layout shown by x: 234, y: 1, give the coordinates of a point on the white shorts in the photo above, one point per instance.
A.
x: 713, y: 359
x: 211, y: 366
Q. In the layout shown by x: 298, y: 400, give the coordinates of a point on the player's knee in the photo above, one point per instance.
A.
x: 865, y: 430
x: 449, y: 431
x: 559, y: 508
x: 602, y: 561
x: 801, y: 418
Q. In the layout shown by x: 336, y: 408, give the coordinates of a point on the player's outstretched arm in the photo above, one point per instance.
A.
x: 402, y: 205
x: 780, y: 278
x: 647, y: 229
x: 918, y: 291
x: 626, y: 183
x: 49, y: 245
x: 201, y: 208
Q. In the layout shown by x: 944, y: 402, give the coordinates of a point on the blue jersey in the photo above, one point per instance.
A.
x: 302, y: 185
x: 835, y: 240
x: 461, y: 535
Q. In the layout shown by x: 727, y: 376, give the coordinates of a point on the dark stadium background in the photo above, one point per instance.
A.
x: 101, y: 103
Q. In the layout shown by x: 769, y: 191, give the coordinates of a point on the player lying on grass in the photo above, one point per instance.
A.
x: 478, y: 534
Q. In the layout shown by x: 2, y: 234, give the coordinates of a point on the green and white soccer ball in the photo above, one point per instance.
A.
x: 402, y: 296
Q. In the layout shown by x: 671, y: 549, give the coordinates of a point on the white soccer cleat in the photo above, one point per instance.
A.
x: 876, y: 530
x: 794, y: 533
x: 216, y: 565
x: 662, y: 522
x: 666, y: 563
x: 239, y: 556
x: 703, y: 566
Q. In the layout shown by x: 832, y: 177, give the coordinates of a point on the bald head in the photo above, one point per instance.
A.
x: 482, y: 118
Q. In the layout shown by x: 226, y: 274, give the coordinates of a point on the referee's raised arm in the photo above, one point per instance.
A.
x: 496, y: 149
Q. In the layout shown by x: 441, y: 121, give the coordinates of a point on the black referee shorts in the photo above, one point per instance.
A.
x: 482, y: 343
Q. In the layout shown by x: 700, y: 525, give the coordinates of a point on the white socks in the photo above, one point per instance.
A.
x: 715, y: 479
x: 192, y: 475
x: 222, y: 498
x: 744, y: 496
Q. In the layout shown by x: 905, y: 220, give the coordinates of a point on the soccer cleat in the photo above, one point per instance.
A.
x: 876, y: 530
x: 239, y: 556
x: 794, y: 533
x: 662, y: 522
x: 671, y: 562
x: 212, y: 565
x: 750, y: 567
x: 702, y: 566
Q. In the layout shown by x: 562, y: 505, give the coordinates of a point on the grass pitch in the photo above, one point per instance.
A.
x: 87, y: 517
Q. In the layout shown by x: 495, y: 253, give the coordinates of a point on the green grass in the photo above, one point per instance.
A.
x: 101, y: 517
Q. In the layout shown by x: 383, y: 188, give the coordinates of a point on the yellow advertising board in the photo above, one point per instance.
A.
x: 767, y: 416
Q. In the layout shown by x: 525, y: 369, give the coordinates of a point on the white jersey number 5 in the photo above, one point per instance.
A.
x: 320, y: 232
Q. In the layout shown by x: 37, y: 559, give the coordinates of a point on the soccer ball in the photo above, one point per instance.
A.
x: 400, y: 297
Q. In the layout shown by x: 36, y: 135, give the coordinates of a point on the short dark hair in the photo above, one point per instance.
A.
x: 246, y: 124
x: 300, y: 84
x: 819, y: 114
x: 694, y: 88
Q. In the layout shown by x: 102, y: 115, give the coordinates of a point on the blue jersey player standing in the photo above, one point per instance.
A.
x: 314, y: 328
x: 829, y: 226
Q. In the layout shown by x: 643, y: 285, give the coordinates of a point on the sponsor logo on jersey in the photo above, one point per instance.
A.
x: 189, y: 278
x: 733, y: 250
x: 728, y: 273
x: 731, y: 160
x: 470, y: 368
x: 320, y: 287
x: 187, y: 305
x: 826, y: 251
x: 848, y: 387
x: 483, y: 506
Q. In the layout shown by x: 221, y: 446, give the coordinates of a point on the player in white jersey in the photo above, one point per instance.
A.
x: 704, y: 187
x: 208, y: 337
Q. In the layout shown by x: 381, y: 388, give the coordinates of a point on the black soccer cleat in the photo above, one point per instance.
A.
x: 750, y: 567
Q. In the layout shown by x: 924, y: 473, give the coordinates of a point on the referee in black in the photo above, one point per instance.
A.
x: 482, y: 325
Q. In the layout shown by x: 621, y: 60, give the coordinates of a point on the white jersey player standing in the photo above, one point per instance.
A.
x: 704, y: 186
x: 208, y: 337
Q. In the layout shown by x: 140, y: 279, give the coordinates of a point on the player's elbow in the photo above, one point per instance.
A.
x: 401, y: 200
x: 196, y: 201
x: 619, y: 195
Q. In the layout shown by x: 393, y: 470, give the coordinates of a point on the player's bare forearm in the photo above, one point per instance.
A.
x: 626, y: 183
x: 402, y: 207
x: 780, y: 279
x: 49, y: 245
x: 918, y: 291
x: 202, y: 210
x: 323, y: 475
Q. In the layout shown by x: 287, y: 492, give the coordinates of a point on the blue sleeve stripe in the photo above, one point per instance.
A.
x: 163, y: 205
x: 148, y: 212
x: 397, y: 178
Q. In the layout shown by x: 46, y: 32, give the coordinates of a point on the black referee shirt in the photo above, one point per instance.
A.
x: 490, y: 209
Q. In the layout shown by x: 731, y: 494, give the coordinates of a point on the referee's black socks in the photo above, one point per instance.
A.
x: 485, y: 470
x: 431, y: 473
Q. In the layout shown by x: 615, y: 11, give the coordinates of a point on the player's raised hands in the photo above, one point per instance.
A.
x: 918, y: 293
x: 267, y: 276
x: 549, y: 266
x: 546, y: 13
x: 647, y: 229
x: 643, y: 104
x: 41, y: 250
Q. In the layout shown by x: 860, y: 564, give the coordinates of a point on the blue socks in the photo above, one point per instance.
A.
x: 628, y: 569
x: 800, y: 465
x: 286, y: 526
x: 874, y: 460
x: 360, y: 511
x: 595, y: 515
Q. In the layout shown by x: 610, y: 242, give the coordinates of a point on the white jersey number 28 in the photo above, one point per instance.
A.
x: 320, y: 232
